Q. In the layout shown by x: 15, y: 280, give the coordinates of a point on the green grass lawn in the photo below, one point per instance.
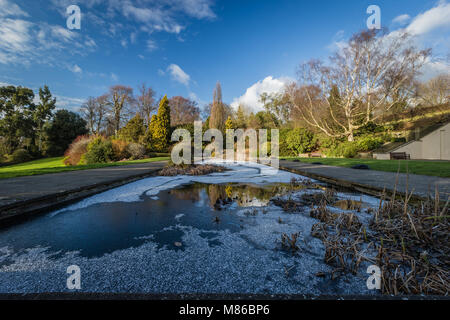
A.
x: 430, y: 168
x: 53, y: 165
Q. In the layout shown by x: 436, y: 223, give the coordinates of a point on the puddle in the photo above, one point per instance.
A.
x: 107, y: 227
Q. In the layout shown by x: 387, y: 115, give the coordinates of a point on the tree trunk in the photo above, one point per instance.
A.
x: 350, y: 136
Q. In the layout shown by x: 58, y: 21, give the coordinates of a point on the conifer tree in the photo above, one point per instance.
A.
x: 217, y: 118
x: 229, y: 123
x: 161, y: 129
x: 149, y: 134
x: 134, y: 130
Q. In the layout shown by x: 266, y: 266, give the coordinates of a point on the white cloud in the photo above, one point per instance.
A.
x: 401, y: 19
x: 199, y: 9
x: 437, y: 17
x: 133, y: 37
x: 433, y: 68
x: 251, y: 98
x: 153, y: 18
x: 62, y: 34
x: 68, y: 103
x: 338, y: 42
x: 14, y: 38
x: 114, y: 77
x: 151, y: 45
x: 11, y: 9
x: 90, y: 43
x: 178, y: 74
x: 147, y: 16
x: 23, y: 42
x: 76, y: 69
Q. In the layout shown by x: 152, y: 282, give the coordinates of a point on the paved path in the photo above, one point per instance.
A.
x: 27, y: 188
x: 377, y: 180
x: 17, y: 190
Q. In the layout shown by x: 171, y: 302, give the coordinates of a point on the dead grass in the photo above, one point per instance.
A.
x: 190, y: 170
x: 413, y: 246
x: 289, y: 243
x: 408, y: 241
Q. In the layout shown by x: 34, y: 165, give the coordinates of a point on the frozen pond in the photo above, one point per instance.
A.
x: 210, y: 234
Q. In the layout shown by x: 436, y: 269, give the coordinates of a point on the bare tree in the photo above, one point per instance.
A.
x: 101, y: 111
x: 370, y: 75
x: 206, y: 111
x: 120, y: 99
x: 183, y: 110
x: 145, y: 102
x: 94, y: 111
x: 434, y: 92
x: 88, y: 112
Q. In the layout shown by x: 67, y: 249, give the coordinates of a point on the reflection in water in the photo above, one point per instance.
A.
x: 107, y: 227
x: 245, y: 195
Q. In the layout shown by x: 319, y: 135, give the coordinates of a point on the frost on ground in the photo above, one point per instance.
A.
x: 209, y: 261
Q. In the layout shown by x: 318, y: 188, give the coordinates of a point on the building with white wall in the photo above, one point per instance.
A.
x: 433, y: 146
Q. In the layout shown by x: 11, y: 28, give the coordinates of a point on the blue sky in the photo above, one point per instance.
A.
x: 183, y: 47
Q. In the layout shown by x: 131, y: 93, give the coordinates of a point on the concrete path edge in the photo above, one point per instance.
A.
x: 23, y: 209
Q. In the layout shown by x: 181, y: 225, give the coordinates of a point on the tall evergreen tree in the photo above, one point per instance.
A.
x: 241, y: 119
x: 16, y: 121
x: 43, y: 112
x: 62, y: 130
x: 218, y: 115
x: 148, y: 138
x: 161, y: 133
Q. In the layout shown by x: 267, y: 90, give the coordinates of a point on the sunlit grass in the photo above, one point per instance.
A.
x: 430, y: 168
x: 54, y: 165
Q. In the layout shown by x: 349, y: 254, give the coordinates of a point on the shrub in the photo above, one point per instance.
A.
x: 285, y: 151
x: 133, y: 131
x: 21, y: 155
x: 3, y: 149
x: 301, y: 140
x: 136, y: 150
x: 368, y: 143
x: 120, y: 149
x: 326, y: 142
x: 99, y: 150
x: 369, y: 128
x: 345, y: 149
x: 76, y: 150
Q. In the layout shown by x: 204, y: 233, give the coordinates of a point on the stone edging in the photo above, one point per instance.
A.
x: 25, y: 208
x: 363, y: 188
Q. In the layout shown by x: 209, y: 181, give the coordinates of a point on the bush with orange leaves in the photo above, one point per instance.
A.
x: 77, y: 148
x: 120, y: 149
